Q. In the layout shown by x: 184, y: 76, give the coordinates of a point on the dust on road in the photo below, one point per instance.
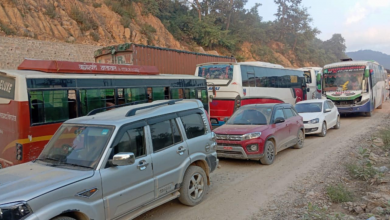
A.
x: 240, y: 188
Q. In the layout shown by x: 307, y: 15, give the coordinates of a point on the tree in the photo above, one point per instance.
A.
x: 336, y: 46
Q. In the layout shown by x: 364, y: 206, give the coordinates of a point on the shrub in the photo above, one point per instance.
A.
x: 51, y: 11
x: 125, y: 21
x: 148, y: 30
x: 96, y: 5
x: 339, y: 193
x: 95, y: 36
x: 362, y: 169
x: 86, y: 23
x: 384, y: 134
x: 7, y: 29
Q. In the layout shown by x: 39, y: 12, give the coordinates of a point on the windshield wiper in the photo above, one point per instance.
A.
x: 77, y: 165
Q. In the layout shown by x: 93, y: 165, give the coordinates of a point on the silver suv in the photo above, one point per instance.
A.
x: 115, y: 165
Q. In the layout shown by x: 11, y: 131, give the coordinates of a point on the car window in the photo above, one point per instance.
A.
x: 288, y: 113
x: 326, y: 106
x: 132, y: 141
x: 193, y: 125
x: 279, y: 114
x: 330, y: 104
x: 295, y: 113
x: 164, y: 134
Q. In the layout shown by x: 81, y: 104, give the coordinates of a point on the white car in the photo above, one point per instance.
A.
x: 319, y: 115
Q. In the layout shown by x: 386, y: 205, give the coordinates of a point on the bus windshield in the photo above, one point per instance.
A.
x: 216, y: 71
x: 344, y: 78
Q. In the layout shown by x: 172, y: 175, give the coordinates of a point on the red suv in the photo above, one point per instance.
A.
x: 258, y: 132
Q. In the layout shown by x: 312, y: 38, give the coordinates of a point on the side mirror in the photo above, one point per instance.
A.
x: 328, y: 110
x: 225, y: 119
x: 123, y: 159
x: 279, y: 120
x: 308, y: 90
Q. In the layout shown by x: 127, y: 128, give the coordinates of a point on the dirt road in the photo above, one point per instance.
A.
x: 240, y: 188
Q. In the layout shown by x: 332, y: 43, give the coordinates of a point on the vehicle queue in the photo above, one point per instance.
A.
x: 119, y: 160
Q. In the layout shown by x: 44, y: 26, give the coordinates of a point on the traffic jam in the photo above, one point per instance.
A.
x: 119, y: 137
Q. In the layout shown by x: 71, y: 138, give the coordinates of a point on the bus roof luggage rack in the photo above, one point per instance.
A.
x: 97, y: 110
x: 134, y: 110
x: 346, y: 59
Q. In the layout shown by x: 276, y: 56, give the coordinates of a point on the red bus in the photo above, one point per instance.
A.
x: 40, y: 95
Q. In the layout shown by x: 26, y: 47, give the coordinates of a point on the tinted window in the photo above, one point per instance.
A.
x: 309, y: 107
x: 165, y: 134
x: 326, y: 106
x: 216, y: 71
x: 177, y: 93
x: 190, y: 94
x: 52, y: 106
x: 279, y: 78
x: 279, y: 114
x: 307, y: 76
x: 288, y: 113
x: 132, y: 141
x: 330, y: 104
x: 96, y: 98
x: 251, y: 116
x: 193, y: 125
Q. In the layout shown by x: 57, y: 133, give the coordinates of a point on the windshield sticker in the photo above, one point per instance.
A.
x: 105, y: 131
x: 294, y: 79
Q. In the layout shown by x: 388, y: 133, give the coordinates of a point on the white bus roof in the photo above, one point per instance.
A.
x: 252, y: 63
x: 30, y: 74
x: 310, y: 68
x: 350, y: 63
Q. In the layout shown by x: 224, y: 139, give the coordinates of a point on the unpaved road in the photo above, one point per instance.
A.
x: 240, y: 188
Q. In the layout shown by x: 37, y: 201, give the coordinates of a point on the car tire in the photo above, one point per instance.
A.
x: 324, y: 130
x: 194, y: 186
x: 269, y: 153
x: 337, y: 126
x: 301, y: 140
x: 63, y: 218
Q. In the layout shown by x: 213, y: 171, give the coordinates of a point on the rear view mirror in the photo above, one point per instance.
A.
x: 328, y: 110
x: 308, y: 90
x: 123, y: 159
x: 225, y: 119
x: 279, y: 120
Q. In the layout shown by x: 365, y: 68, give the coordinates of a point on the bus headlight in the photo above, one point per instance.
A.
x: 314, y: 121
x: 15, y: 210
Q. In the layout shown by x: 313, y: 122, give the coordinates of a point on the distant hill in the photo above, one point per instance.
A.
x: 380, y: 57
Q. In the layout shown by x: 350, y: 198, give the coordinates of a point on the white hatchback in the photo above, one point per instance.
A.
x: 319, y: 115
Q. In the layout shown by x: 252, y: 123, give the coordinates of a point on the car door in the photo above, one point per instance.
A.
x: 328, y: 115
x: 170, y: 154
x: 128, y: 187
x: 332, y: 115
x: 293, y: 126
x: 281, y: 132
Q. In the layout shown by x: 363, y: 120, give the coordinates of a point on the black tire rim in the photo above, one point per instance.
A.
x: 270, y: 152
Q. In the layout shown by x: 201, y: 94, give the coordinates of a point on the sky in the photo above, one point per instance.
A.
x: 364, y: 24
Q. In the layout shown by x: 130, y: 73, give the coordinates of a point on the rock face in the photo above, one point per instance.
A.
x: 65, y: 20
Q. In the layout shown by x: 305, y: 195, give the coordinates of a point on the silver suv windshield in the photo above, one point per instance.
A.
x: 77, y: 145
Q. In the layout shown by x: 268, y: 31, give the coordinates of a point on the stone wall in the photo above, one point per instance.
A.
x: 14, y: 50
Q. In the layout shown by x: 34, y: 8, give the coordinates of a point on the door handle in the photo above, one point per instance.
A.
x: 142, y: 165
x: 181, y: 150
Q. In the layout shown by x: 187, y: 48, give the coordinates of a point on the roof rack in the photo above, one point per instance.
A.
x: 134, y: 110
x: 346, y: 59
x: 97, y: 110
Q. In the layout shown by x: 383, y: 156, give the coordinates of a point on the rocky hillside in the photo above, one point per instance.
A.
x: 106, y: 22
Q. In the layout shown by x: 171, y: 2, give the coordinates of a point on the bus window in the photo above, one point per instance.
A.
x: 52, y: 106
x: 308, y: 76
x: 190, y: 93
x: 96, y: 98
x: 157, y: 93
x: 177, y: 93
x: 134, y: 94
x: 202, y: 95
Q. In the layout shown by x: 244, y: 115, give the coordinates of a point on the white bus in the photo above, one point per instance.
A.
x: 246, y: 83
x: 313, y: 76
x: 355, y: 86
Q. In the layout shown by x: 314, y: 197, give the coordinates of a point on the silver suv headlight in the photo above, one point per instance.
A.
x: 14, y: 211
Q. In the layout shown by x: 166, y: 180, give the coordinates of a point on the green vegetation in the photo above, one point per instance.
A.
x: 7, y: 29
x: 339, y: 193
x: 384, y: 134
x: 96, y: 5
x: 51, y: 11
x: 362, y: 169
x: 316, y: 213
x: 148, y: 30
x: 86, y: 23
x: 95, y: 36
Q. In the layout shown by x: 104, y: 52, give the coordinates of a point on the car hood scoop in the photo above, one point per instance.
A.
x: 27, y: 181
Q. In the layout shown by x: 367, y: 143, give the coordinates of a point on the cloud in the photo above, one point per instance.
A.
x: 374, y: 38
x: 363, y: 8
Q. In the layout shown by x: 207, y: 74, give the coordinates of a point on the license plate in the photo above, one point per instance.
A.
x: 228, y: 148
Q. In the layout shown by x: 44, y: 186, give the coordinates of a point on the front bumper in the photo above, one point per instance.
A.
x: 236, y: 152
x: 351, y: 109
x: 312, y: 128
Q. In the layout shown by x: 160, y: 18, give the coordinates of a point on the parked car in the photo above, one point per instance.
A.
x: 258, y: 132
x: 319, y: 115
x: 115, y: 165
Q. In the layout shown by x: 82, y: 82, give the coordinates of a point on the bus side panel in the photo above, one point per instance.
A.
x: 220, y: 109
x: 9, y: 132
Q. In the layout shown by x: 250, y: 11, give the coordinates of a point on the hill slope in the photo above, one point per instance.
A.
x: 380, y: 57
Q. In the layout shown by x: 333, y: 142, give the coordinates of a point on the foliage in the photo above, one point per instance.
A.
x: 148, y: 30
x: 7, y: 29
x: 316, y: 213
x: 339, y: 193
x: 96, y: 5
x: 51, y: 11
x: 362, y: 169
x: 86, y: 23
x: 384, y: 134
x: 95, y: 36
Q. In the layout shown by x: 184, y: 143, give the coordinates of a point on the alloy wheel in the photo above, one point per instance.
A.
x: 196, y: 187
x: 270, y: 152
x: 300, y: 139
x: 324, y: 129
